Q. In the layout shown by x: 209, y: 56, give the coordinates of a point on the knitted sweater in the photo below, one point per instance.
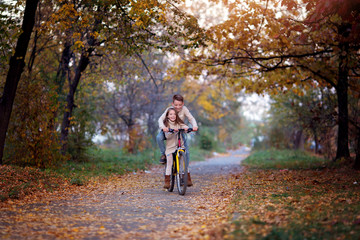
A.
x: 172, y: 138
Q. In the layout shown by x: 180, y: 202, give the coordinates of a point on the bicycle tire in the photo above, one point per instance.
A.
x: 182, y: 176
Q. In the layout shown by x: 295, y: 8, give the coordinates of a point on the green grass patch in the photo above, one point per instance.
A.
x: 198, y: 154
x: 283, y: 159
x: 314, y: 231
x: 106, y: 162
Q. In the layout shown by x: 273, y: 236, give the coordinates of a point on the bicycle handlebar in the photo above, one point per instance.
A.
x: 181, y: 130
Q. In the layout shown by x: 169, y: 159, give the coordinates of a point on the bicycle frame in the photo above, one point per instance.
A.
x: 179, y: 172
x: 179, y: 149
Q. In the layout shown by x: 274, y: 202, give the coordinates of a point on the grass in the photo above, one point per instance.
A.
x: 283, y: 159
x: 198, y: 154
x: 107, y: 161
x: 103, y: 162
x: 294, y: 198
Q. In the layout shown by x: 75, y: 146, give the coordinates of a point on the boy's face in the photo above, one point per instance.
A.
x: 178, y: 105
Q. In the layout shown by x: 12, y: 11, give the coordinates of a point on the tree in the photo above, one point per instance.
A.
x: 214, y: 104
x: 15, y: 70
x: 311, y: 113
x: 130, y: 27
x: 270, y: 46
x: 80, y: 31
x: 132, y: 96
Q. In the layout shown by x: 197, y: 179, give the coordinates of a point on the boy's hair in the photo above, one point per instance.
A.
x: 177, y: 120
x: 178, y: 97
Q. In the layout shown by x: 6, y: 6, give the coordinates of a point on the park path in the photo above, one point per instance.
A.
x: 133, y: 206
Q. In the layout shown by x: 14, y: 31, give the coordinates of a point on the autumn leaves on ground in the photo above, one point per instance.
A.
x: 228, y: 201
x: 127, y: 206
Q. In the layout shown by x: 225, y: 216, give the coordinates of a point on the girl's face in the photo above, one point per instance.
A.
x: 172, y: 115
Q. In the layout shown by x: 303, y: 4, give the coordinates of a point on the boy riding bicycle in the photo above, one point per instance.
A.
x: 183, y: 112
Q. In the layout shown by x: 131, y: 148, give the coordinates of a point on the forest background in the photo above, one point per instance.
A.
x: 74, y: 70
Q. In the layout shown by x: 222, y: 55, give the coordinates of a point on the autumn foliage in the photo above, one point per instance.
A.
x: 32, y: 139
x: 272, y: 47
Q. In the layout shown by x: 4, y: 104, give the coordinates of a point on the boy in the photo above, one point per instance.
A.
x: 182, y: 111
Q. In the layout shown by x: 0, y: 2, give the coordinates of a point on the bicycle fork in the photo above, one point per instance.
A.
x: 177, y: 160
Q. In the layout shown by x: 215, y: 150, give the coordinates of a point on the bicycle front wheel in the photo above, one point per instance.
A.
x: 181, y: 175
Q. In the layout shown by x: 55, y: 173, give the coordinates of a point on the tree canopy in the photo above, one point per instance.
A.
x: 272, y: 46
x: 129, y: 56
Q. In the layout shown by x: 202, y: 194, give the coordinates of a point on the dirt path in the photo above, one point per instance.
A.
x: 133, y: 206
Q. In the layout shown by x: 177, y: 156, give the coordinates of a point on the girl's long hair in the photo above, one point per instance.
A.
x: 177, y: 120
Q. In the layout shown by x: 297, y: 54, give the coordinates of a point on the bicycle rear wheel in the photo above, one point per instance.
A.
x: 182, y: 176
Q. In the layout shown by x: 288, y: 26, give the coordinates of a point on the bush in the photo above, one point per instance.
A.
x: 32, y: 139
x: 206, y: 142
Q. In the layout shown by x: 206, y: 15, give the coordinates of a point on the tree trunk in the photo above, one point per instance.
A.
x: 298, y: 137
x: 131, y: 142
x: 152, y: 127
x: 70, y: 99
x: 342, y: 95
x: 63, y: 67
x: 316, y: 142
x: 17, y: 65
x: 357, y: 159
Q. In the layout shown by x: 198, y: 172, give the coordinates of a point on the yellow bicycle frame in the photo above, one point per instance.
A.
x: 177, y: 159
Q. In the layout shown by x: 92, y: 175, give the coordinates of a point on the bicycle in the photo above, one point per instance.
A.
x: 180, y: 165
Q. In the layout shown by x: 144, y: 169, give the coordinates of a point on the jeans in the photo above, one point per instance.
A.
x: 160, y: 138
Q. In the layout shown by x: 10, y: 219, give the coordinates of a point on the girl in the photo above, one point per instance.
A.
x: 173, y: 121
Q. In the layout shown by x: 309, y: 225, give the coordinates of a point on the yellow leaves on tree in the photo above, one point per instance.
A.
x: 144, y: 12
x: 32, y: 137
x: 136, y: 140
x: 79, y: 44
x: 208, y: 97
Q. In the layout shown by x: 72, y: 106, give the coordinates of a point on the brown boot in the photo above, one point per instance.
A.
x: 167, y: 181
x: 189, y: 181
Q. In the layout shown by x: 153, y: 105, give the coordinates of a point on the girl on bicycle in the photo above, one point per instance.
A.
x: 172, y: 121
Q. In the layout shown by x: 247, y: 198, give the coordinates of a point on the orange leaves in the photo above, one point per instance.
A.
x: 128, y: 207
x: 136, y: 141
x: 296, y: 198
x: 16, y: 182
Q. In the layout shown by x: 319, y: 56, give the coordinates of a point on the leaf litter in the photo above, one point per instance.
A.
x: 120, y: 207
x: 243, y: 204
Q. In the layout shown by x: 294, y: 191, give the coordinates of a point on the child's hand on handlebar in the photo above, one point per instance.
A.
x: 195, y: 128
x: 165, y: 129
